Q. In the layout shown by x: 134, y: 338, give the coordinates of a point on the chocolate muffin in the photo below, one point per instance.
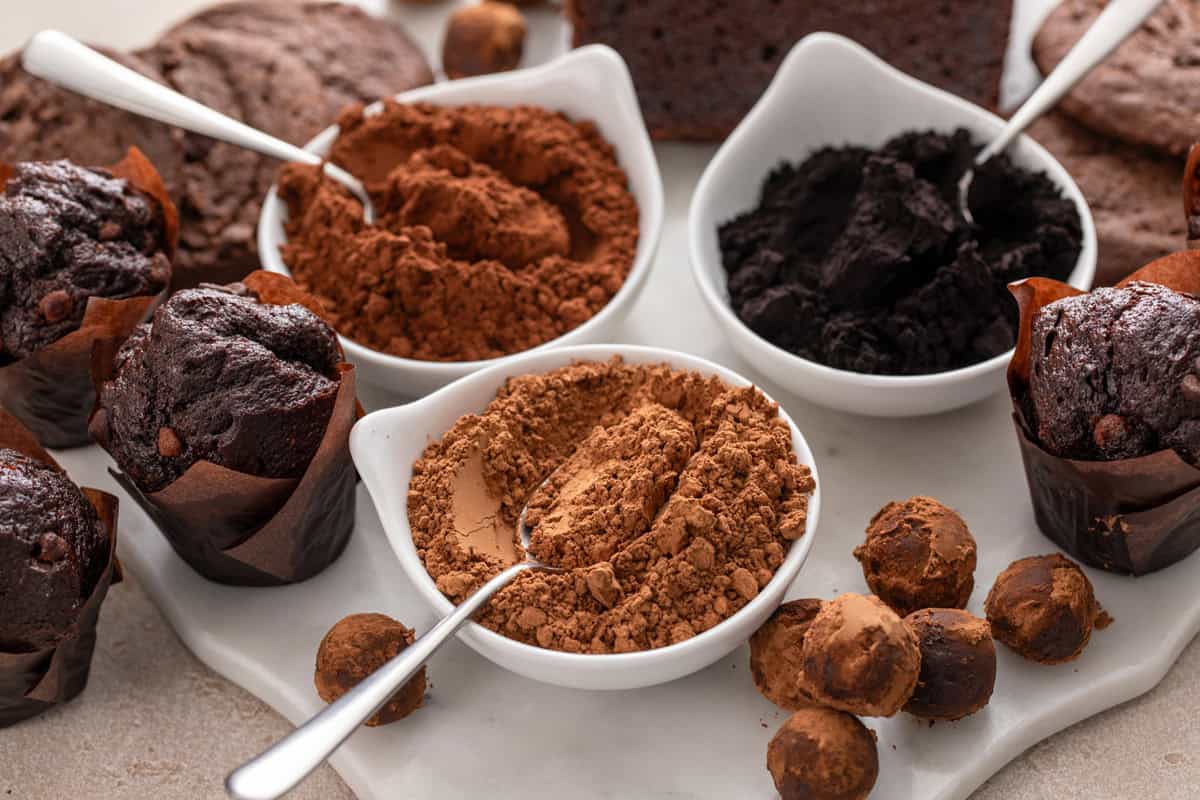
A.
x: 1116, y: 374
x: 286, y: 69
x: 41, y: 122
x: 67, y: 234
x: 218, y: 376
x: 699, y: 65
x: 53, y: 549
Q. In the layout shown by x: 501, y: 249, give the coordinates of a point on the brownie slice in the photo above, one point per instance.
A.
x: 69, y: 233
x: 699, y: 65
x: 218, y: 376
x: 1116, y: 374
x: 53, y: 549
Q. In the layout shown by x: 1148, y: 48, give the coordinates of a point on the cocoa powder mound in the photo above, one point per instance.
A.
x: 678, y: 499
x: 498, y: 229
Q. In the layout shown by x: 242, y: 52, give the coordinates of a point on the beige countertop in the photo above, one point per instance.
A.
x: 156, y: 723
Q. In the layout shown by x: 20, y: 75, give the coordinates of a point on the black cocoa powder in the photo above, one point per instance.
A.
x: 860, y: 259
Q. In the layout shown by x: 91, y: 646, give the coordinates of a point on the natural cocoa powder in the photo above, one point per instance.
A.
x: 498, y: 229
x: 677, y: 499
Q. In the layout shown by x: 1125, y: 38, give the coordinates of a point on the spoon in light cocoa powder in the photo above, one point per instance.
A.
x: 59, y: 59
x: 275, y: 771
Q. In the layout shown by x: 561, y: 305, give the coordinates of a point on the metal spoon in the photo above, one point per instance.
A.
x: 287, y: 762
x: 59, y: 59
x: 1115, y: 24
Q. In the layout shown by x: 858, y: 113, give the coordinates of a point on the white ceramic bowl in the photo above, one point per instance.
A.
x: 830, y: 91
x: 386, y: 443
x: 591, y: 83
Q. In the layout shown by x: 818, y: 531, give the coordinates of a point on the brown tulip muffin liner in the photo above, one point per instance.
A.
x: 1129, y: 516
x: 33, y: 682
x: 246, y: 530
x: 50, y: 391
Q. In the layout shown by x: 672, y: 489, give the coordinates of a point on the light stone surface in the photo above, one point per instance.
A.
x: 155, y: 723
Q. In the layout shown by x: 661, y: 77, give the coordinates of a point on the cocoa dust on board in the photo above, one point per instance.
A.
x: 678, y: 501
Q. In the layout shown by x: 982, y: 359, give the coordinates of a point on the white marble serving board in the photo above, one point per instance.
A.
x: 486, y: 732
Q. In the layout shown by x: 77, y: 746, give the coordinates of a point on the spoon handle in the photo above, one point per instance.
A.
x: 59, y: 59
x: 1115, y: 24
x: 279, y: 768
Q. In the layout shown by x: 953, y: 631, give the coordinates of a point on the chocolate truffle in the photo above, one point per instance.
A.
x: 357, y: 646
x: 218, y: 376
x: 1043, y: 608
x: 67, y: 234
x: 1115, y: 374
x: 53, y: 549
x: 775, y: 654
x: 918, y: 554
x: 860, y: 657
x: 823, y: 754
x: 482, y: 39
x: 958, y: 664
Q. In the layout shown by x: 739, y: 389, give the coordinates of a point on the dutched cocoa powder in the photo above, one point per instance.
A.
x: 499, y: 229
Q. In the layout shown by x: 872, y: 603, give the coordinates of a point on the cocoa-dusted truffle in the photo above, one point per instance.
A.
x: 53, y: 549
x: 482, y: 39
x: 357, y: 646
x: 860, y: 657
x: 775, y: 654
x: 1043, y: 607
x: 823, y: 754
x: 918, y: 554
x: 1115, y: 373
x: 221, y: 377
x: 958, y: 664
x: 67, y: 234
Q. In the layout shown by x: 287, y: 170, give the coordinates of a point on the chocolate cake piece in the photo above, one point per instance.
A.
x: 699, y: 65
x: 218, y: 376
x: 286, y: 69
x: 1116, y: 374
x: 41, y: 122
x: 53, y: 549
x: 69, y: 233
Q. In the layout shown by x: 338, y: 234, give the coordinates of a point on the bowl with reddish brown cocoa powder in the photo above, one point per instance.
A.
x: 517, y: 212
x: 681, y: 504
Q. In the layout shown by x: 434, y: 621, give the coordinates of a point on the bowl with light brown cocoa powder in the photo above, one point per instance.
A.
x: 516, y: 212
x: 680, y: 501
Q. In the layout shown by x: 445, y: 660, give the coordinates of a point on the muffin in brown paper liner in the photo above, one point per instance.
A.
x: 246, y: 530
x: 51, y: 391
x: 33, y: 682
x: 1130, y: 516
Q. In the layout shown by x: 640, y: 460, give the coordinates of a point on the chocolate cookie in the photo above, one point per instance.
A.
x: 41, y: 122
x: 359, y: 57
x: 285, y: 69
x: 1133, y: 193
x: 1148, y: 91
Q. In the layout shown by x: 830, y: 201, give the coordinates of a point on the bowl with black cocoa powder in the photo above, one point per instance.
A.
x: 516, y: 212
x: 826, y: 239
